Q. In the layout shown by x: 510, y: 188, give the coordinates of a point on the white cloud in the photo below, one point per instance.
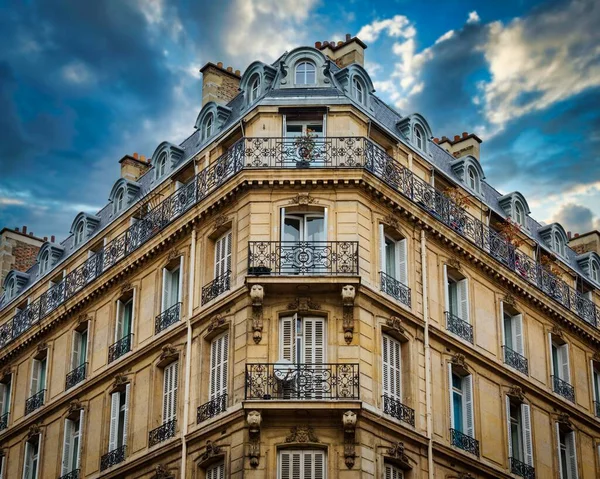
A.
x: 473, y: 17
x: 398, y: 26
x: 77, y: 73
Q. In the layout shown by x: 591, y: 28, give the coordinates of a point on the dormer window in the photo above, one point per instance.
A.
x: 558, y: 244
x: 11, y: 289
x: 358, y: 91
x: 254, y: 88
x: 418, y: 138
x: 306, y: 73
x: 473, y: 179
x: 207, y: 127
x: 45, y: 262
x: 80, y: 233
x: 119, y: 201
x: 595, y: 272
x: 161, y: 166
x: 519, y: 214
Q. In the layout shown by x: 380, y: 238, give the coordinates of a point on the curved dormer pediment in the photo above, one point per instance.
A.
x: 555, y: 238
x: 173, y: 152
x: 48, y: 255
x: 255, y: 81
x: 469, y: 171
x: 515, y: 205
x: 304, y: 67
x: 211, y: 119
x: 590, y: 264
x: 14, y: 283
x: 83, y: 226
x: 123, y: 194
x: 415, y: 129
x: 356, y: 83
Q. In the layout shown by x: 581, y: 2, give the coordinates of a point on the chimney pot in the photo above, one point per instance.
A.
x: 229, y: 69
x: 237, y: 72
x: 436, y: 140
x: 576, y: 235
x: 340, y: 43
x: 220, y: 64
x: 568, y: 234
x: 45, y: 238
x: 465, y: 134
x: 317, y: 44
x: 17, y: 229
x: 456, y: 137
x: 325, y: 43
x: 348, y: 37
x: 135, y: 155
x: 24, y: 230
x: 332, y: 43
x: 52, y: 239
x: 31, y: 233
x: 143, y: 158
x: 444, y: 138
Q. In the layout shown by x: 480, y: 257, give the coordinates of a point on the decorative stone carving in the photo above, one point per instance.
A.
x: 211, y: 451
x: 517, y: 393
x: 348, y: 296
x: 120, y: 379
x: 301, y: 434
x: 168, y: 351
x: 349, y: 423
x: 454, y: 263
x: 556, y: 331
x: 215, y: 322
x: 303, y: 199
x: 596, y: 356
x: 257, y: 294
x: 564, y: 419
x: 161, y: 472
x: 392, y: 221
x: 459, y: 360
x: 84, y: 318
x: 220, y: 221
x: 509, y: 299
x: 395, y: 323
x: 254, y: 420
x: 174, y: 253
x: 34, y: 430
x: 397, y: 452
x: 465, y: 475
x: 42, y: 346
x: 75, y: 405
x: 303, y: 304
x: 126, y: 287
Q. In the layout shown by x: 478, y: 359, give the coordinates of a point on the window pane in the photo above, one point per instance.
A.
x: 390, y: 257
x: 315, y: 228
x: 458, y: 416
x: 291, y: 229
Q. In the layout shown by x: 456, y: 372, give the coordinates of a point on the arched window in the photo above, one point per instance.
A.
x: 358, y: 91
x: 519, y: 214
x: 161, y: 166
x: 595, y: 272
x: 473, y: 179
x: 254, y: 88
x: 45, y: 262
x: 11, y: 288
x: 119, y: 200
x: 559, y: 246
x: 207, y: 127
x: 306, y: 73
x: 418, y: 138
x: 80, y: 233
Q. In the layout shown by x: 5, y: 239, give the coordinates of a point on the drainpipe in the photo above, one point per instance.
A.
x: 188, y: 355
x: 428, y: 399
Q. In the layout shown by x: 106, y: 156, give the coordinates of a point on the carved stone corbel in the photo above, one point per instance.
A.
x: 395, y: 323
x: 162, y: 472
x: 392, y: 221
x: 75, y: 405
x: 42, y: 346
x: 509, y: 299
x: 254, y: 420
x: 302, y: 199
x: 397, y: 452
x: 211, y: 451
x: 173, y: 253
x: 84, y: 318
x: 220, y: 221
x: 168, y: 352
x: 120, y: 379
x: 303, y: 304
x: 556, y: 331
x: 454, y: 263
x: 34, y: 430
x: 126, y: 287
x: 257, y: 294
x: 564, y: 420
x: 517, y: 393
x: 459, y: 360
x: 348, y: 297
x: 349, y: 423
x: 215, y: 322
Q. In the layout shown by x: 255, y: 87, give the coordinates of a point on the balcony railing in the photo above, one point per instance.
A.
x: 113, y: 457
x: 256, y: 153
x: 596, y: 409
x: 563, y: 388
x: 35, y: 402
x: 119, y: 348
x: 464, y: 442
x: 395, y: 288
x: 282, y: 381
x: 216, y: 287
x: 76, y: 376
x: 3, y: 422
x: 396, y: 409
x: 515, y: 360
x: 460, y: 327
x: 71, y: 475
x: 167, y: 318
x: 162, y: 433
x: 303, y: 257
x: 212, y: 408
x: 521, y: 469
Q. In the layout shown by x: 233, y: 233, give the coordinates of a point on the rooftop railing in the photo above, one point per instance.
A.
x: 331, y: 152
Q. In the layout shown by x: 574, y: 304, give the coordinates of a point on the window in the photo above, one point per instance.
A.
x: 302, y: 464
x: 594, y: 271
x: 207, y: 127
x: 567, y: 455
x: 392, y: 472
x: 223, y: 255
x: 419, y: 143
x: 254, y: 88
x: 5, y: 392
x: 32, y: 457
x: 124, y: 318
x: 473, y: 179
x: 561, y: 374
x: 306, y: 73
x: 358, y: 91
x: 519, y: 214
x: 559, y: 244
x: 512, y: 337
x: 45, y: 262
x: 596, y: 387
x: 38, y: 377
x: 219, y: 352
x: 2, y: 461
x: 170, y: 392
x: 461, y: 402
x: 80, y: 233
x: 172, y: 285
x: 119, y: 411
x: 119, y: 201
x: 297, y: 227
x: 161, y: 166
x: 393, y: 256
x: 216, y: 471
x: 11, y: 288
x: 79, y: 352
x: 72, y: 444
x: 392, y: 368
x: 457, y: 294
x: 520, y: 446
x: 302, y: 339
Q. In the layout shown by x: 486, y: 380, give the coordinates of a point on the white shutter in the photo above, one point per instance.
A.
x: 114, y: 421
x: 314, y: 340
x: 170, y: 392
x: 450, y: 396
x: 218, y: 366
x: 517, y: 322
x: 526, y: 430
x: 166, y: 289
x: 78, y: 452
x: 180, y: 282
x: 4, y: 394
x: 508, y: 423
x: 468, y: 405
x: 392, y: 368
x: 1, y: 467
x: 502, y: 323
x: 392, y: 472
x: 382, y: 262
x: 402, y: 262
x: 446, y: 291
x: 463, y: 299
x: 126, y: 413
x: 68, y: 436
x: 27, y: 461
x: 223, y: 254
x: 571, y: 455
x: 302, y: 464
x: 119, y: 321
x: 560, y: 470
x: 551, y: 357
x: 282, y: 218
x: 564, y: 359
x: 76, y: 352
x: 216, y: 472
x: 228, y: 253
x: 594, y: 398
x: 287, y: 340
x: 35, y: 376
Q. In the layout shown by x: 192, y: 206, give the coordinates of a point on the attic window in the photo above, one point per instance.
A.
x: 207, y: 127
x: 161, y: 166
x: 358, y: 91
x: 254, y: 88
x: 558, y: 244
x: 595, y: 271
x: 306, y: 73
x: 119, y: 197
x: 45, y: 262
x: 473, y: 179
x: 519, y: 214
x: 11, y: 288
x: 419, y: 137
x: 80, y: 232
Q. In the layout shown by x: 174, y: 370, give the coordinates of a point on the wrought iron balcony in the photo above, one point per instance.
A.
x: 71, y: 475
x: 167, y: 318
x: 216, y: 287
x: 395, y: 288
x: 563, y: 388
x: 301, y: 381
x: 162, y: 433
x: 3, y: 422
x: 396, y: 409
x: 212, y: 408
x: 515, y: 360
x: 521, y: 469
x: 458, y: 326
x: 113, y: 457
x: 35, y: 402
x: 303, y: 258
x: 76, y: 376
x: 119, y: 348
x: 596, y: 409
x: 464, y: 442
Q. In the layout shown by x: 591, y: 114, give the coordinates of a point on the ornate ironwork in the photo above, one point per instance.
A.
x: 395, y: 288
x: 113, y: 457
x: 167, y: 318
x: 162, y: 433
x: 515, y: 360
x: 71, y: 475
x: 35, y: 402
x: 464, y: 442
x: 216, y: 287
x: 396, y: 409
x: 119, y: 348
x: 563, y: 388
x: 212, y: 408
x: 303, y: 257
x: 76, y: 376
x: 302, y: 381
x: 521, y: 469
x: 3, y: 422
x: 460, y: 327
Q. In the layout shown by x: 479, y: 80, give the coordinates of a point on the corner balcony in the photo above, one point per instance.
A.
x: 302, y: 381
x: 308, y: 258
x: 563, y: 388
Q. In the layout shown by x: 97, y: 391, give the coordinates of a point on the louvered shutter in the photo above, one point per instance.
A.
x: 402, y: 262
x: 287, y: 340
x: 508, y: 424
x: 35, y: 377
x: 502, y: 323
x: 526, y: 431
x: 382, y: 259
x: 4, y: 399
x: 468, y: 405
x: 319, y: 464
x: 571, y: 455
x: 463, y: 299
x: 80, y: 432
x: 517, y: 322
x: 223, y: 255
x: 560, y: 469
x: 564, y: 358
x: 76, y: 352
x: 68, y: 436
x: 166, y: 287
x: 1, y: 467
x: 392, y: 368
x: 27, y: 462
x: 114, y: 421
x: 216, y: 472
x: 126, y: 413
x: 314, y: 340
x: 170, y: 392
x: 392, y: 472
x: 452, y: 426
x: 43, y: 370
x: 218, y: 366
x: 119, y: 322
x: 446, y: 289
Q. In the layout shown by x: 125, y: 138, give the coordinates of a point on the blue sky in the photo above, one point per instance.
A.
x: 83, y: 83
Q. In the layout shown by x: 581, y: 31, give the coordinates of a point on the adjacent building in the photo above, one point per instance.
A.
x: 309, y: 286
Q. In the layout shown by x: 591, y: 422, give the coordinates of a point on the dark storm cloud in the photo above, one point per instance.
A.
x: 576, y: 218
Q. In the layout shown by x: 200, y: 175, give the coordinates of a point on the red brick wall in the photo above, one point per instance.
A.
x: 25, y: 255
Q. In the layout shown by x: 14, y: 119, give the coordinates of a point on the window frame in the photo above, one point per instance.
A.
x: 305, y: 72
x: 255, y: 84
x: 419, y: 136
x: 303, y: 452
x: 161, y: 165
x: 208, y: 126
x: 32, y: 457
x: 119, y: 413
x: 358, y: 90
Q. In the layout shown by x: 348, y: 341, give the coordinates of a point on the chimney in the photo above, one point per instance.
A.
x: 132, y: 167
x: 24, y: 230
x: 344, y: 53
x: 461, y: 145
x: 585, y: 242
x: 219, y: 84
x: 52, y: 239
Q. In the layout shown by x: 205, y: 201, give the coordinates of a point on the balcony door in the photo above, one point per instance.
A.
x: 303, y: 144
x: 303, y: 249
